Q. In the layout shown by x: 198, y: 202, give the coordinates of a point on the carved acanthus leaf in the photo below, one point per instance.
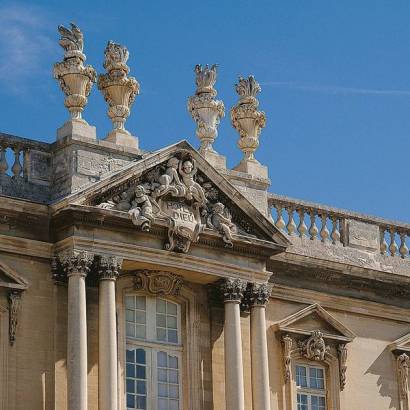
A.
x: 403, y: 374
x: 315, y: 348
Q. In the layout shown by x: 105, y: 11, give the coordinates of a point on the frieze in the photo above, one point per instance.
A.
x: 178, y: 194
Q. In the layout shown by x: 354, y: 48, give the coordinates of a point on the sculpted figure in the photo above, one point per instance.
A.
x: 141, y: 209
x: 187, y: 170
x: 220, y: 220
x: 170, y: 182
x: 123, y: 202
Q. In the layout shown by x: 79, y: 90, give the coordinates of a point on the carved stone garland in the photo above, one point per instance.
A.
x: 402, y: 362
x: 174, y: 195
x: 158, y: 282
x: 14, y: 307
x: 313, y: 348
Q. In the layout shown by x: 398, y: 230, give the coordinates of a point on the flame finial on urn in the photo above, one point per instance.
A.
x: 119, y: 91
x: 246, y: 118
x: 75, y: 79
x: 204, y: 109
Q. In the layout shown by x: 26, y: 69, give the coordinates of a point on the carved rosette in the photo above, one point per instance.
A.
x: 108, y: 267
x: 246, y: 118
x: 204, y: 109
x: 233, y: 290
x: 119, y: 90
x: 158, y: 282
x: 403, y: 374
x: 259, y: 294
x: 14, y: 307
x: 74, y: 77
x: 76, y: 262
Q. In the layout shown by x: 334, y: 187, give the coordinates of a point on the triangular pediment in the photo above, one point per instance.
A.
x: 178, y: 186
x: 9, y: 278
x: 313, y: 318
x: 402, y: 344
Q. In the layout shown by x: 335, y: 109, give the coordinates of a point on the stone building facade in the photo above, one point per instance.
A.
x: 164, y: 280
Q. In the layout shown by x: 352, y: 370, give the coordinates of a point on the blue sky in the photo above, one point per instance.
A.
x: 335, y: 79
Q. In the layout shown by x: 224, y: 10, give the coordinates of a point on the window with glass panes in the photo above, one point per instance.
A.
x: 311, y: 387
x: 153, y: 356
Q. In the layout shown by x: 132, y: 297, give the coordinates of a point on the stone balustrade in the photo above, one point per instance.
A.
x: 339, y: 227
x: 16, y: 154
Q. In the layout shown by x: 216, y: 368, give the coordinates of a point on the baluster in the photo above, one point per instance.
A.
x: 302, y: 228
x: 3, y: 161
x: 26, y: 163
x: 280, y: 223
x: 313, y: 230
x: 291, y: 226
x: 393, y: 244
x: 335, y: 235
x: 383, y: 243
x: 404, y: 250
x: 324, y: 232
x: 16, y: 168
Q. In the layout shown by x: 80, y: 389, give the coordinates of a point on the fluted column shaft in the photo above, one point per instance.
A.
x: 76, y: 265
x: 234, y: 388
x: 259, y: 295
x: 107, y: 334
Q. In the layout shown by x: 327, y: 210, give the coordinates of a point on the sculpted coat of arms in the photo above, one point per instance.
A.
x: 173, y: 192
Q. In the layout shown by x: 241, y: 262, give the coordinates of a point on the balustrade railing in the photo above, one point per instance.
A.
x: 330, y: 225
x: 15, y: 155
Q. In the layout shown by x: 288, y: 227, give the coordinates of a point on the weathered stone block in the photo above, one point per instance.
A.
x: 363, y: 235
x: 77, y: 128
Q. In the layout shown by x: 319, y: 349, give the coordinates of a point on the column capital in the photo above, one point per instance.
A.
x: 259, y: 294
x: 75, y: 262
x: 233, y: 289
x: 108, y: 267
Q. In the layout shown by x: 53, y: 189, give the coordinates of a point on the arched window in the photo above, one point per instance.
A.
x: 153, y: 353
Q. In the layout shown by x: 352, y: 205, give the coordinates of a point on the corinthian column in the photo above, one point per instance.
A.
x: 234, y: 391
x: 76, y: 265
x: 259, y: 296
x: 107, y: 329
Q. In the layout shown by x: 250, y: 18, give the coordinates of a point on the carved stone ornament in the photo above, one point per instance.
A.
x: 287, y: 358
x: 172, y: 193
x: 342, y: 353
x: 75, y: 262
x: 158, y: 282
x: 108, y: 267
x: 259, y: 294
x: 118, y: 89
x: 403, y: 374
x: 75, y: 79
x: 246, y: 118
x: 204, y: 109
x: 233, y: 289
x: 314, y: 348
x: 14, y: 307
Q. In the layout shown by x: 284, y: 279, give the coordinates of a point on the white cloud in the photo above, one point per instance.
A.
x: 335, y: 89
x: 25, y: 47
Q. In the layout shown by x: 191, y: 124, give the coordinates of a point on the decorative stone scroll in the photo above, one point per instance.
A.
x: 314, y: 348
x: 204, y: 109
x: 173, y: 193
x: 158, y: 282
x: 75, y: 79
x: 342, y: 352
x: 287, y: 356
x: 14, y: 308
